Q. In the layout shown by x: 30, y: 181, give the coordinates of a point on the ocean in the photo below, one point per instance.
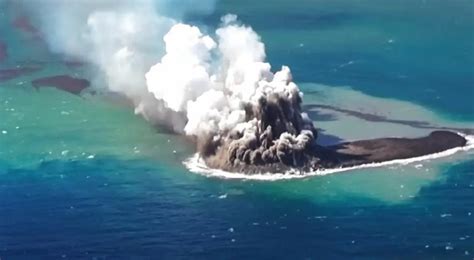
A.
x: 83, y: 177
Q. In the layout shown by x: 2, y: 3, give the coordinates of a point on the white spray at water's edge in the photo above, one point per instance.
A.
x: 196, y: 165
x: 217, y: 88
x: 216, y: 85
x: 238, y: 110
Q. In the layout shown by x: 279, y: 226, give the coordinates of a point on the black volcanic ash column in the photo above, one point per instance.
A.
x: 239, y: 111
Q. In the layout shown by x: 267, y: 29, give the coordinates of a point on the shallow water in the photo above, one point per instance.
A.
x: 420, y: 51
x: 83, y: 177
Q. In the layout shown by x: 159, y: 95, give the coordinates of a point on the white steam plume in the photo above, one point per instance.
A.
x: 217, y: 88
x: 213, y: 93
x: 121, y: 38
x: 237, y: 108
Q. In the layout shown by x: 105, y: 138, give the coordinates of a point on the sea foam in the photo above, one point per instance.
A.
x: 196, y: 165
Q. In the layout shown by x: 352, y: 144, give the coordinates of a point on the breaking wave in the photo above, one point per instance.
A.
x: 196, y: 165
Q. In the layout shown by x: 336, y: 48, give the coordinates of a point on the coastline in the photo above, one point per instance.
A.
x: 196, y: 165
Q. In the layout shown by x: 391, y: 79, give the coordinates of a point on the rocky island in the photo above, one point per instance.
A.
x: 283, y: 138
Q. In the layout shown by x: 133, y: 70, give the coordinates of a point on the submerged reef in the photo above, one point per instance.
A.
x: 291, y: 155
x: 283, y: 138
x: 3, y: 51
x: 216, y: 89
x: 62, y: 82
x: 246, y: 118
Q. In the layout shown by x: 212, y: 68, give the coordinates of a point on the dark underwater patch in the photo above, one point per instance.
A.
x: 8, y: 74
x: 62, y: 82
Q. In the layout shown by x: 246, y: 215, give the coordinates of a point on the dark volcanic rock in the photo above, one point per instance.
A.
x: 281, y: 134
x: 365, y: 151
x: 387, y: 149
x: 62, y: 82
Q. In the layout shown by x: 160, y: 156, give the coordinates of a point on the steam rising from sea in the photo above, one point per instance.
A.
x: 215, y: 87
x: 120, y: 39
x: 196, y: 165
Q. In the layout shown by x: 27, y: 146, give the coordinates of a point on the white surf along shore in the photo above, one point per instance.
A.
x: 196, y: 165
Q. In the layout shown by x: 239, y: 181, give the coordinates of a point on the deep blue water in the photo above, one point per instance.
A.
x: 90, y: 209
x: 119, y: 207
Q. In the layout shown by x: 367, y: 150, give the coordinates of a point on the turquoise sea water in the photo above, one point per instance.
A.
x: 83, y: 177
x: 420, y: 51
